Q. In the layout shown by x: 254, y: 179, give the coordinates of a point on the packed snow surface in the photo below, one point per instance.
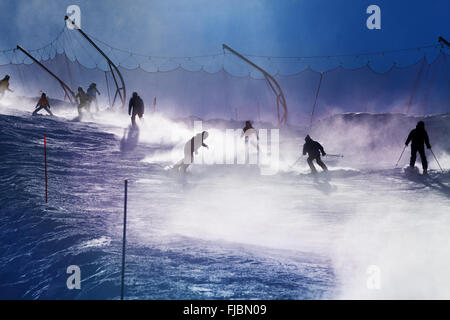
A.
x: 222, y: 231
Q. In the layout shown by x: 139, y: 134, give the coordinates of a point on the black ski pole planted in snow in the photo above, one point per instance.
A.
x: 436, y: 159
x: 400, y: 156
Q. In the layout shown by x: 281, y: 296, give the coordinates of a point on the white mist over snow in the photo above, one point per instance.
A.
x: 365, y: 213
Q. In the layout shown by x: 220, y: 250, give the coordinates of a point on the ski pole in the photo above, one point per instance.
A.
x: 436, y: 159
x: 335, y: 155
x: 294, y: 163
x: 400, y: 156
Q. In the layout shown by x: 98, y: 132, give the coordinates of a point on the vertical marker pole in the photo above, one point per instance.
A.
x: 124, y: 238
x: 259, y: 112
x: 45, y: 163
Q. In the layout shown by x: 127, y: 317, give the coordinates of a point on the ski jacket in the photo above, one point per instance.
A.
x: 418, y: 137
x: 92, y: 91
x: 313, y: 148
x: 136, y: 104
x: 43, y: 102
x: 83, y: 97
x: 4, y: 85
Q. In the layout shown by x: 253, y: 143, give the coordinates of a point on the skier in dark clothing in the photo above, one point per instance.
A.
x: 418, y: 137
x: 313, y: 149
x: 137, y: 106
x: 92, y: 92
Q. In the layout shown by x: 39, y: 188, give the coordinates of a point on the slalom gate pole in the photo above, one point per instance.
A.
x: 400, y: 156
x: 436, y: 159
x: 45, y: 164
x: 124, y: 239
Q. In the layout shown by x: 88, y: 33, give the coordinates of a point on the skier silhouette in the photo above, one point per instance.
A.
x: 313, y: 148
x: 4, y: 86
x: 92, y: 92
x: 84, y: 100
x: 418, y: 137
x: 247, y: 132
x: 42, y: 104
x: 137, y: 106
x: 189, y: 148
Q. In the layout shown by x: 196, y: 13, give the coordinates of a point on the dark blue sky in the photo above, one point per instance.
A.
x: 197, y: 27
x: 193, y: 27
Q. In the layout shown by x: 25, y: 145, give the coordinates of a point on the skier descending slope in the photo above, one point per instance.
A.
x: 189, y: 148
x: 4, y: 86
x: 136, y: 105
x: 84, y: 100
x: 42, y: 104
x: 313, y: 148
x: 92, y: 92
x: 418, y: 137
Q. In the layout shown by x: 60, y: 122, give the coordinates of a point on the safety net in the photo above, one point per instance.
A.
x: 221, y: 85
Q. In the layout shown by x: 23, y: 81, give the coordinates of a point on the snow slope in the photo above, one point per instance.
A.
x: 222, y: 231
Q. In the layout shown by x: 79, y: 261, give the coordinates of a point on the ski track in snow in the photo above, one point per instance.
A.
x: 220, y: 232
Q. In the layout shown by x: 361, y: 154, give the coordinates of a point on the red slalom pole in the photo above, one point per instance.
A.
x: 45, y: 160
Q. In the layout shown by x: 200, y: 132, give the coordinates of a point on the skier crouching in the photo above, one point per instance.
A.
x: 135, y: 108
x: 42, y: 104
x: 189, y: 148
